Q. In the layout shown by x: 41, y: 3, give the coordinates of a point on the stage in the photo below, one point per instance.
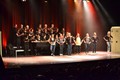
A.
x: 16, y: 62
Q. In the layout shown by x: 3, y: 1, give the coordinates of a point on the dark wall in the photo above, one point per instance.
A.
x: 113, y: 8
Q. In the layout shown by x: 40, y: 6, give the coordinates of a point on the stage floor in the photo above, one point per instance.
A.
x: 13, y: 62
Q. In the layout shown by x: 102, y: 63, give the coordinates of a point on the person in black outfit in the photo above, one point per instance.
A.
x: 69, y: 42
x: 94, y: 42
x: 20, y: 34
x: 63, y: 32
x: 26, y: 40
x: 108, y: 38
x: 13, y: 41
x: 87, y: 41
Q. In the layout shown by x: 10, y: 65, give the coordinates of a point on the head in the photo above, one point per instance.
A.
x: 16, y: 26
x: 27, y: 26
x: 39, y: 30
x: 87, y: 34
x: 21, y: 25
x: 31, y: 30
x: 63, y: 29
x: 45, y: 25
x: 78, y: 34
x: 95, y: 34
x: 52, y: 35
x: 60, y: 34
x: 40, y: 25
x: 69, y: 34
x: 56, y: 36
x: 57, y: 30
x: 52, y: 25
x: 108, y: 33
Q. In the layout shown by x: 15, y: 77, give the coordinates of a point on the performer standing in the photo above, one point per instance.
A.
x: 78, y: 43
x: 94, y: 41
x: 52, y: 29
x: 45, y: 28
x: 26, y: 45
x: 46, y: 35
x: 63, y: 31
x: 26, y: 31
x: 14, y: 36
x: 87, y: 41
x: 39, y: 33
x: 20, y: 34
x: 61, y: 42
x: 40, y: 28
x: 52, y: 42
x: 107, y: 38
x: 26, y: 40
x: 57, y: 32
x: 69, y: 42
x: 31, y: 33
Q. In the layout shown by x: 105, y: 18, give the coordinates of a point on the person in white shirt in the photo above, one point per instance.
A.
x: 78, y: 43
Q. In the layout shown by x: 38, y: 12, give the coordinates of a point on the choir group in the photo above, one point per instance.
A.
x: 54, y: 36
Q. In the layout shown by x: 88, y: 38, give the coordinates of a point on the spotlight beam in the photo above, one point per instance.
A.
x: 105, y: 13
x: 99, y: 13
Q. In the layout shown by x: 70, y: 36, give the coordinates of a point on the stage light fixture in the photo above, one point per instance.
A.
x: 23, y: 0
x: 46, y: 1
x: 75, y: 1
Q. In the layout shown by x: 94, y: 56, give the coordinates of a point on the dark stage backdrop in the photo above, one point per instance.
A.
x: 32, y: 12
x: 35, y: 12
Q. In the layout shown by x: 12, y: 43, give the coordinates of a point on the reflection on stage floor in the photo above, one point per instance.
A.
x: 11, y: 62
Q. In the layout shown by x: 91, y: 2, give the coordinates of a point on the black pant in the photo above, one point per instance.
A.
x: 26, y: 48
x: 77, y: 49
x: 94, y: 47
x: 87, y: 47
